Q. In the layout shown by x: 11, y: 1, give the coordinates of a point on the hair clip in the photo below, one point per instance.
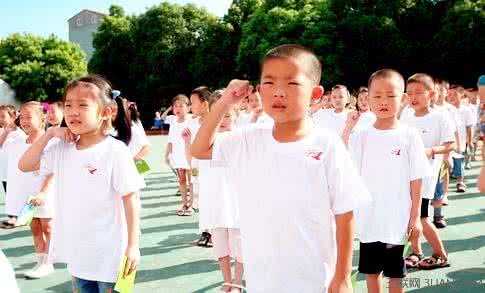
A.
x: 45, y: 107
x: 115, y: 94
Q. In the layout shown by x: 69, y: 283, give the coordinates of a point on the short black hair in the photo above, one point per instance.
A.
x: 313, y: 66
x: 202, y: 92
x: 384, y: 74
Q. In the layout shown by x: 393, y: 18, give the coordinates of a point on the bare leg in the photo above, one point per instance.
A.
x: 395, y: 286
x: 431, y: 234
x: 225, y: 266
x: 374, y: 283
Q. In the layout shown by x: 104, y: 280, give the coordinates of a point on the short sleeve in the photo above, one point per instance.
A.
x: 419, y: 166
x: 447, y: 131
x: 469, y: 119
x: 229, y: 145
x: 125, y: 176
x: 169, y: 119
x: 345, y: 186
x: 48, y: 158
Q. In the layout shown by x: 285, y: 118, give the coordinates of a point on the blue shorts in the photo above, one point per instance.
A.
x: 88, y: 286
x: 458, y: 167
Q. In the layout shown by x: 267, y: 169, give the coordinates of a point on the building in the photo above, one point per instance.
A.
x: 81, y: 29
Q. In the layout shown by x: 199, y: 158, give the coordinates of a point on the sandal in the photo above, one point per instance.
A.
x: 225, y: 285
x: 237, y: 288
x: 460, y: 187
x: 433, y: 262
x: 413, y: 260
x: 204, y: 239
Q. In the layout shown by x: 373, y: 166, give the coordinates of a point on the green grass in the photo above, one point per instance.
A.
x: 170, y: 263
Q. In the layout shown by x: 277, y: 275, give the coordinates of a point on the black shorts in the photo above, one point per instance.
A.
x: 424, y: 208
x: 378, y: 257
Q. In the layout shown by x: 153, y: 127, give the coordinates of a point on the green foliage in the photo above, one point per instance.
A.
x: 38, y: 68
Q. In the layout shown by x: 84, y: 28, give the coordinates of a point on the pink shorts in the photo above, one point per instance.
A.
x: 227, y: 241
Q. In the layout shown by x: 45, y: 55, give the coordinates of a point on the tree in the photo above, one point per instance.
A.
x: 116, y: 10
x: 38, y: 68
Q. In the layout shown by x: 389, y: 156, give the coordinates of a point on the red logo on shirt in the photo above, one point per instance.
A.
x: 91, y: 169
x: 396, y: 152
x: 315, y: 154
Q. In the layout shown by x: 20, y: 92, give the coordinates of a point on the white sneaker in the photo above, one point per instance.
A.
x: 40, y: 272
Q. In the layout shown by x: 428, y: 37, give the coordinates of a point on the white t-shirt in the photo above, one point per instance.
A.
x: 218, y: 202
x: 178, y: 160
x: 7, y: 275
x: 329, y: 119
x: 243, y: 119
x: 138, y: 140
x: 406, y: 112
x: 289, y: 194
x: 169, y: 119
x: 467, y: 120
x: 366, y: 120
x: 474, y: 109
x: 388, y: 160
x: 89, y: 231
x: 435, y: 129
x: 22, y: 185
x: 452, y: 113
x: 12, y: 136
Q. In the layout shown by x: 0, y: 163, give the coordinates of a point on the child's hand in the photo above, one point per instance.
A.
x: 187, y: 135
x: 63, y: 133
x: 352, y: 119
x: 167, y: 159
x: 340, y: 285
x: 414, y: 229
x: 133, y: 258
x: 37, y: 200
x: 235, y: 91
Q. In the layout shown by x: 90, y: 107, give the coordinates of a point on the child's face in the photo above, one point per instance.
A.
x: 54, y: 114
x: 180, y: 109
x: 30, y: 119
x: 83, y: 110
x: 442, y: 92
x: 254, y: 101
x: 472, y: 97
x: 339, y: 98
x: 5, y: 119
x: 286, y: 89
x: 481, y: 92
x: 454, y: 97
x: 363, y: 101
x: 243, y: 106
x: 157, y: 114
x: 197, y: 106
x: 227, y: 122
x: 385, y: 97
x: 419, y: 96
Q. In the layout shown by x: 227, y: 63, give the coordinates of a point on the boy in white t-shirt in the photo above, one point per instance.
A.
x: 257, y: 115
x: 295, y: 202
x: 438, y: 137
x: 392, y: 162
x: 464, y: 135
x: 334, y: 119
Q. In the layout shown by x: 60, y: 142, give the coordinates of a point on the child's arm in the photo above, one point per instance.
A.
x: 38, y: 199
x: 187, y: 137
x: 143, y: 152
x: 414, y: 227
x: 234, y: 93
x: 468, y: 135
x: 352, y: 119
x: 30, y: 160
x: 132, y: 215
x: 164, y: 114
x: 440, y: 149
x: 168, y: 151
x: 345, y: 232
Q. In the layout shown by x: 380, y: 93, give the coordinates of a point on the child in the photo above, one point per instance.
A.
x: 464, y: 135
x: 157, y: 121
x: 438, y: 137
x: 55, y: 115
x: 334, y: 119
x: 139, y: 145
x: 392, y: 162
x: 31, y: 187
x: 244, y: 117
x: 367, y: 117
x: 175, y: 154
x: 199, y: 100
x: 219, y: 208
x: 97, y: 216
x: 294, y: 201
x: 9, y: 132
x: 258, y: 116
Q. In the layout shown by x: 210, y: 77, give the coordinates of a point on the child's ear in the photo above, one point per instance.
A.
x: 404, y: 98
x: 107, y: 113
x: 317, y: 93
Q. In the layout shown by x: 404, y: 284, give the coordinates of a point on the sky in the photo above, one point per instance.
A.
x: 46, y: 17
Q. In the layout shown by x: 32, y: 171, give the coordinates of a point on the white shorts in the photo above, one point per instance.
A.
x: 227, y: 241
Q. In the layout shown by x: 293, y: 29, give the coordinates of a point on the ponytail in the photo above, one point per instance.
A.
x: 122, y: 123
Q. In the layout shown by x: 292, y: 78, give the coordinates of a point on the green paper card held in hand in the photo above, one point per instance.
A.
x: 125, y: 285
x: 142, y: 166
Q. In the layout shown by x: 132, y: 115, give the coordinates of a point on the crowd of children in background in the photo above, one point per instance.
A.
x: 266, y: 167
